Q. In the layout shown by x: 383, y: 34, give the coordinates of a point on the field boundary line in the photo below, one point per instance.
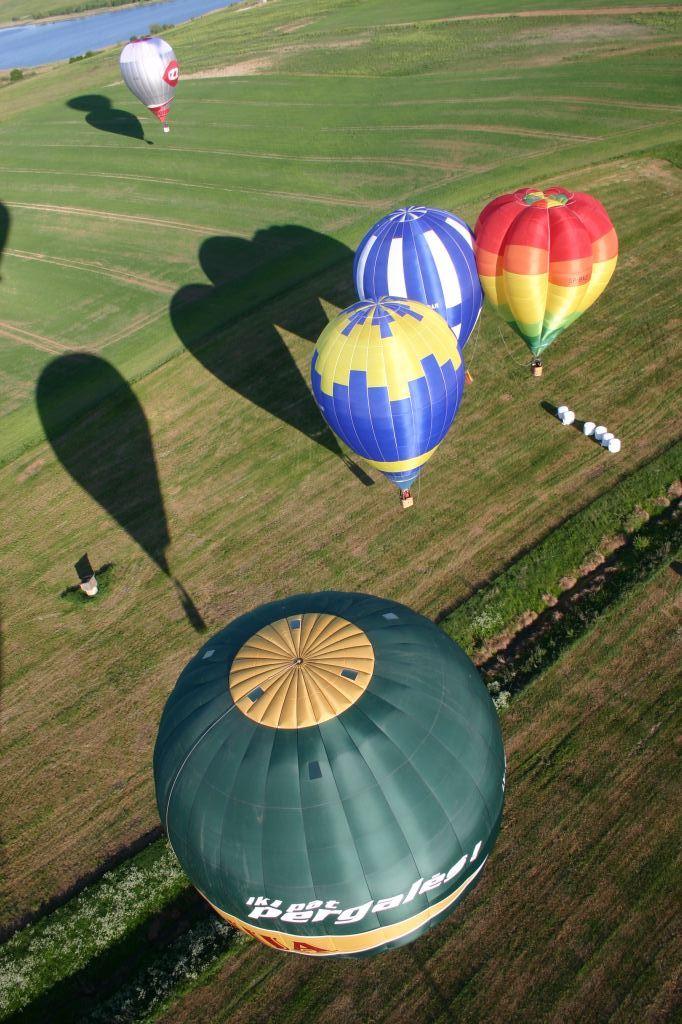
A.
x: 135, y: 218
x: 253, y: 155
x: 300, y: 197
x: 39, y: 341
x: 93, y: 268
x: 308, y: 197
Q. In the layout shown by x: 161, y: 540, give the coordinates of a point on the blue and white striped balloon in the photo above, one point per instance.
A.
x: 427, y: 255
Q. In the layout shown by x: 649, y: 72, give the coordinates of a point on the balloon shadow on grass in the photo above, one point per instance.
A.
x: 101, y: 115
x: 4, y: 230
x: 109, y: 452
x: 256, y: 362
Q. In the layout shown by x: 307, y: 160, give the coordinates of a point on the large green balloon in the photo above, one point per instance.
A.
x: 330, y: 772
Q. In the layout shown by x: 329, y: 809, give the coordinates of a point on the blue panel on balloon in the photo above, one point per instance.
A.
x: 435, y: 258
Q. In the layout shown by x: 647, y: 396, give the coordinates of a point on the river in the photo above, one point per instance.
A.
x: 28, y: 45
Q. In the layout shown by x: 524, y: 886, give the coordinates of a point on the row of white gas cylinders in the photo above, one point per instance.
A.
x: 601, y: 434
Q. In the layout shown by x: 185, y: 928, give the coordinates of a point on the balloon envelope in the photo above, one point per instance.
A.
x: 388, y: 379
x: 150, y: 71
x: 424, y: 254
x: 330, y: 772
x: 544, y: 257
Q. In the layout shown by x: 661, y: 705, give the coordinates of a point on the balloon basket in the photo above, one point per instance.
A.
x: 406, y: 499
x: 166, y: 129
x: 468, y: 379
x: 536, y: 368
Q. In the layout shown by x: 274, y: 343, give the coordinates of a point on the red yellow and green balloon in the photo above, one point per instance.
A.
x: 544, y: 256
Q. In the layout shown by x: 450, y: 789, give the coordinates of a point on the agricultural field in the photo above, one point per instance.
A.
x: 159, y: 301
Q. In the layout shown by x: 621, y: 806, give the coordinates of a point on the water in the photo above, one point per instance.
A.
x: 26, y: 46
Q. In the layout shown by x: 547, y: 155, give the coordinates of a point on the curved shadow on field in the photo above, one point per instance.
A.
x: 258, y: 365
x: 109, y: 452
x: 4, y: 229
x: 101, y: 115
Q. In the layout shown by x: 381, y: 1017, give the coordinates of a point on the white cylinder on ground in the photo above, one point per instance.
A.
x: 614, y: 445
x: 561, y: 411
x: 605, y: 438
x: 568, y: 418
x: 599, y: 433
x: 588, y: 428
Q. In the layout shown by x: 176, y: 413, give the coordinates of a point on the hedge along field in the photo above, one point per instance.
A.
x: 528, y: 584
x: 253, y: 496
x: 574, y: 918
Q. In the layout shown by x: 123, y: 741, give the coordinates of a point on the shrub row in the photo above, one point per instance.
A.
x: 647, y: 551
x: 62, y: 943
x: 526, y: 584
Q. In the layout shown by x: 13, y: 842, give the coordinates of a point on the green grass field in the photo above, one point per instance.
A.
x: 232, y: 238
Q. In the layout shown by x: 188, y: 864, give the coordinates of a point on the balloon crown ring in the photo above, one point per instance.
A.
x: 549, y: 197
x: 409, y: 213
x: 301, y: 671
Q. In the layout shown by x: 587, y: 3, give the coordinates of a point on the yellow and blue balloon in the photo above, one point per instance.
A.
x: 388, y: 379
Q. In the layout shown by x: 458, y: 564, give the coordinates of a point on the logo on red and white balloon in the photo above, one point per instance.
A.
x: 172, y: 73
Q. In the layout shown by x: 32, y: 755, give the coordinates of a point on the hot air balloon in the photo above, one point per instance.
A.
x: 388, y: 378
x: 151, y: 72
x: 423, y: 254
x: 544, y: 257
x: 330, y: 772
